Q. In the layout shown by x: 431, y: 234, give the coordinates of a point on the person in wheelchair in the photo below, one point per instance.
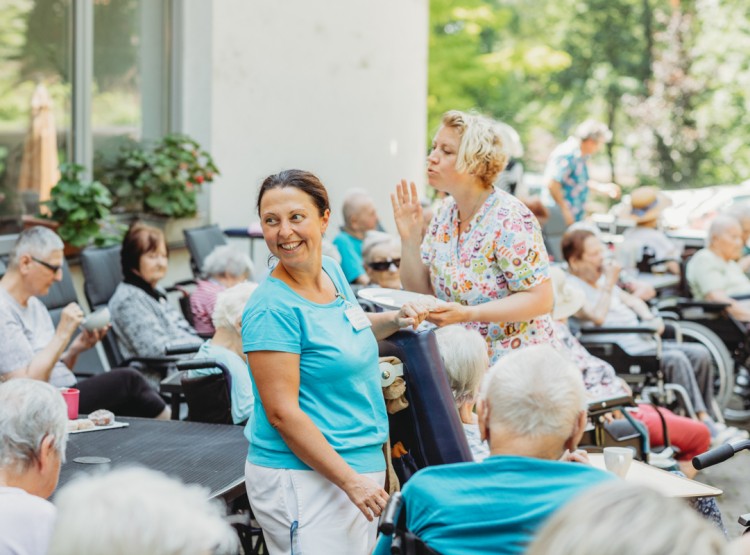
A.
x: 32, y: 347
x: 222, y: 269
x: 464, y: 355
x: 606, y: 304
x: 714, y: 274
x: 532, y: 411
x: 226, y: 347
x: 689, y: 436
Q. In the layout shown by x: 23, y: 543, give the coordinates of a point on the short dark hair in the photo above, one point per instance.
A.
x: 139, y: 240
x: 299, y: 179
x: 572, y: 243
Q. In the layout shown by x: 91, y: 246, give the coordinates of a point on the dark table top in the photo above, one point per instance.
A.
x: 212, y: 455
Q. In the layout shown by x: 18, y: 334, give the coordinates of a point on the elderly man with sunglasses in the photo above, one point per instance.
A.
x: 33, y: 421
x: 31, y: 346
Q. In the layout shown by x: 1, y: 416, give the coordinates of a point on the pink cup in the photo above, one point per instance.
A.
x: 71, y: 399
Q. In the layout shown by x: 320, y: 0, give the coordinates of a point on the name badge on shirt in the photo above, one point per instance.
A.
x: 357, y: 317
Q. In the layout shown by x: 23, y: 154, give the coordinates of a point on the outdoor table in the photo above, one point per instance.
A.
x: 666, y: 483
x: 210, y: 455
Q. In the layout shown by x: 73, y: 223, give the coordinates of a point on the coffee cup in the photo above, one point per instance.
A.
x: 71, y: 396
x: 97, y: 319
x: 617, y: 460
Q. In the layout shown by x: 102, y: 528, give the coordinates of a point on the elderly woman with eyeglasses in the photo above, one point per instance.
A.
x: 381, y: 254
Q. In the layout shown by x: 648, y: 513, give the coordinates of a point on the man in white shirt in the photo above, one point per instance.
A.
x: 33, y: 421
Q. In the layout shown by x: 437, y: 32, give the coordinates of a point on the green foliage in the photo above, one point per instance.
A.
x: 80, y: 207
x: 670, y: 78
x: 163, y: 179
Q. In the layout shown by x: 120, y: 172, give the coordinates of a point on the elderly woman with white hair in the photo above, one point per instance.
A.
x: 33, y: 420
x: 222, y: 269
x: 360, y: 216
x: 464, y: 355
x: 226, y: 347
x: 135, y: 511
x: 381, y: 254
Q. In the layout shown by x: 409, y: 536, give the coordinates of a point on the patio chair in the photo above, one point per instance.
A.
x: 209, y: 398
x: 102, y: 273
x: 200, y: 242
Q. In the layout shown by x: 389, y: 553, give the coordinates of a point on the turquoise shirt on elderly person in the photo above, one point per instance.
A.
x: 339, y: 380
x: 495, y: 506
x: 350, y: 249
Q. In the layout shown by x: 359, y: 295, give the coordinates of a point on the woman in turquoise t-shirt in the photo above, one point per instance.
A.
x: 315, y: 467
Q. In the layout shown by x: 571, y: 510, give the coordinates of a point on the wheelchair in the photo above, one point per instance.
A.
x: 725, y: 337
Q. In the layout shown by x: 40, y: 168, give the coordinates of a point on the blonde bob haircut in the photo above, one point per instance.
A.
x: 481, y: 152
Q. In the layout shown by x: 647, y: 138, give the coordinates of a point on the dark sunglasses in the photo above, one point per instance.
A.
x: 383, y: 265
x: 53, y: 268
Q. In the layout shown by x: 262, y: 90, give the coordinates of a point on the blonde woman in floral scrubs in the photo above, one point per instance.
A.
x: 483, y: 251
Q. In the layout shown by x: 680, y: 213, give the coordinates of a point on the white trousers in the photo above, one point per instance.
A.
x: 302, y: 513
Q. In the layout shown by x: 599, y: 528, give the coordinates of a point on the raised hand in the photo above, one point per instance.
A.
x: 407, y: 212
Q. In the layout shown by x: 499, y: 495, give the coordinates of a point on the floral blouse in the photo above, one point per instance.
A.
x: 500, y: 253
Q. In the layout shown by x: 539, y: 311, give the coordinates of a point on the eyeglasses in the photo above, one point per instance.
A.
x: 51, y: 267
x: 383, y: 265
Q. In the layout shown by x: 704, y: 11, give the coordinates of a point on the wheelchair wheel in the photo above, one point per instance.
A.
x: 723, y: 362
x: 738, y: 407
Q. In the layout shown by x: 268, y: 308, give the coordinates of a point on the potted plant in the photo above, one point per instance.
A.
x: 80, y: 209
x: 162, y: 180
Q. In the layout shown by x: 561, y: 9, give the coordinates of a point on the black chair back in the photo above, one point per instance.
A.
x: 200, y: 241
x: 429, y: 428
x: 102, y: 273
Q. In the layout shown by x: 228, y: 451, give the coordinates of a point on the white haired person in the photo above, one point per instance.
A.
x: 32, y: 347
x: 226, y: 347
x: 381, y: 254
x: 136, y: 511
x: 567, y: 172
x: 360, y: 217
x: 464, y: 354
x: 714, y: 273
x: 621, y: 518
x: 483, y: 252
x: 222, y: 269
x: 532, y: 410
x: 33, y: 420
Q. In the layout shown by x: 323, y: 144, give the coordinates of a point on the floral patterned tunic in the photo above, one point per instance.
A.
x: 500, y: 253
x: 567, y: 166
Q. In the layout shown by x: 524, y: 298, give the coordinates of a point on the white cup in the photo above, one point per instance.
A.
x: 618, y: 459
x: 97, y: 320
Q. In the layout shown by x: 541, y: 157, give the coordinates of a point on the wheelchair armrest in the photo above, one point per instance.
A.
x: 602, y: 406
x: 741, y: 297
x: 390, y: 515
x: 182, y: 349
x: 708, y: 306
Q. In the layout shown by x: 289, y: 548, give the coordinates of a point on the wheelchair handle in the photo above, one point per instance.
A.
x: 719, y: 454
x: 196, y: 364
x: 388, y: 519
